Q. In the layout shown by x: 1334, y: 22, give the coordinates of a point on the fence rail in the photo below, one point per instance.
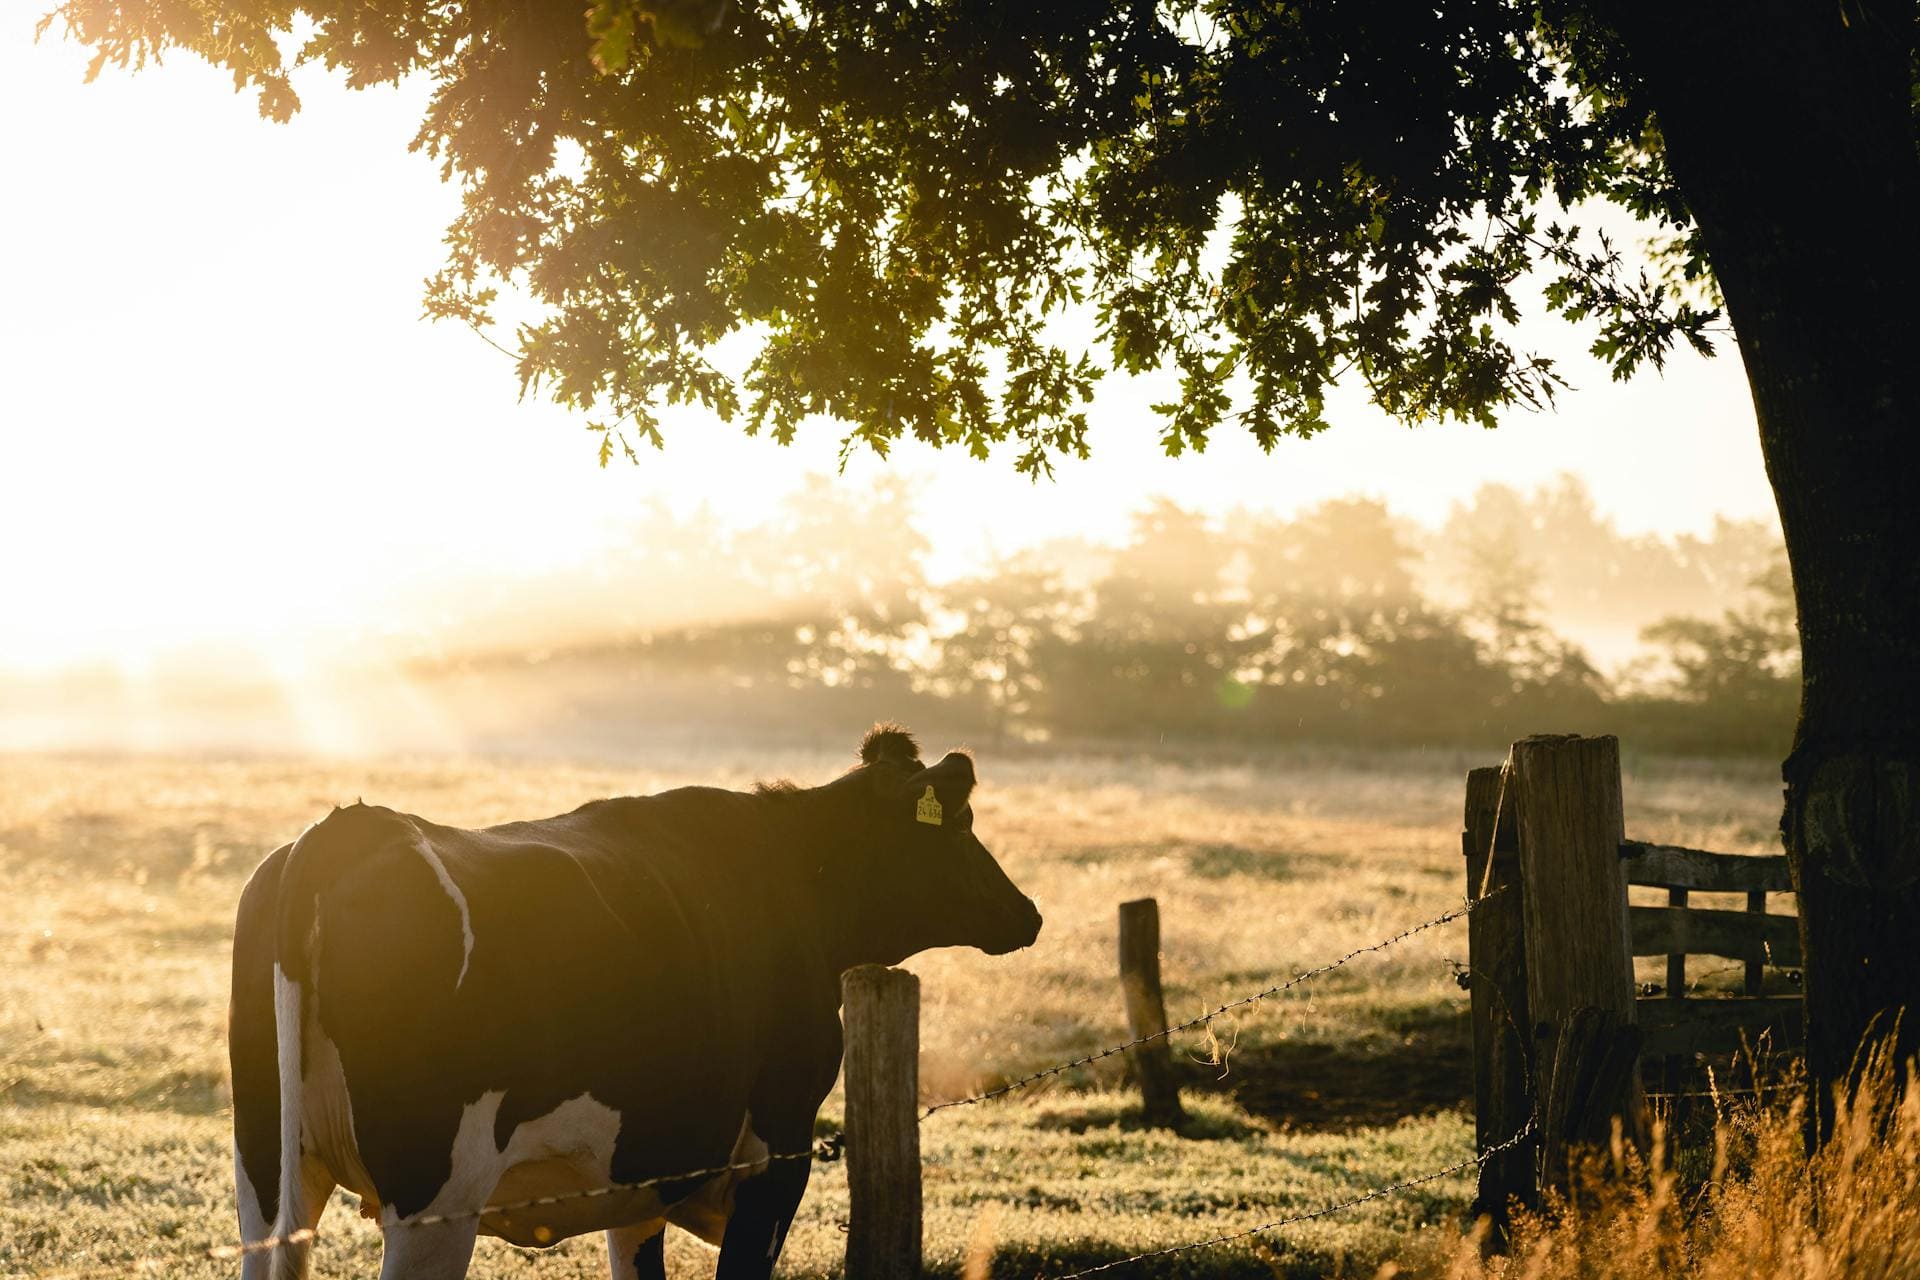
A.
x: 1668, y: 866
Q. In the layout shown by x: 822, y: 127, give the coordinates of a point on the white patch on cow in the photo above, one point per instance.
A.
x: 566, y: 1152
x: 581, y: 1129
x: 459, y: 900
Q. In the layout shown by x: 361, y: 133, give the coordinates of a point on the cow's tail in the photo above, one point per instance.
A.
x: 290, y: 1243
x: 316, y: 861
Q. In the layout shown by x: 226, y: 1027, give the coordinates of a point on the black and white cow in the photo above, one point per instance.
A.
x: 444, y: 1020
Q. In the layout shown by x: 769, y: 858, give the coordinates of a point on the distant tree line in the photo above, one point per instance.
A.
x: 1340, y: 624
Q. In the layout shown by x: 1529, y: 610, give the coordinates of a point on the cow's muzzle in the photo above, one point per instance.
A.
x: 1021, y: 933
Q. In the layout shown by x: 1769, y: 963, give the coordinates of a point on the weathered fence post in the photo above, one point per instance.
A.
x: 1567, y: 810
x: 882, y: 1012
x: 1672, y: 1068
x: 1147, y: 1012
x: 1677, y: 960
x: 1497, y: 984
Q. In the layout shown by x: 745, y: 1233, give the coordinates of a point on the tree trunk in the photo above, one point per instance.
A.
x: 1790, y: 130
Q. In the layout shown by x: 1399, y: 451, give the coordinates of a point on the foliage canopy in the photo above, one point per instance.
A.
x: 911, y: 204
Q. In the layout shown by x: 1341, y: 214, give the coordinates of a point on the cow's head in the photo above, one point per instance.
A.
x: 930, y: 877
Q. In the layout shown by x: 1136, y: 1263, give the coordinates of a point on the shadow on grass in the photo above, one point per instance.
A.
x: 1131, y: 1119
x: 182, y: 1090
x: 1405, y: 1061
x: 1216, y: 861
x: 1219, y: 861
x: 1270, y: 1259
x: 1421, y: 1064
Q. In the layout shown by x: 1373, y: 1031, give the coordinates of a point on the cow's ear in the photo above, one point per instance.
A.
x: 889, y: 744
x: 939, y: 793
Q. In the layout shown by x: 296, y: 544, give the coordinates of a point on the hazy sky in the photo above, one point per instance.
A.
x: 222, y: 416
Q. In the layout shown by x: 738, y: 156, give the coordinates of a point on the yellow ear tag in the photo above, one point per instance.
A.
x: 928, y: 810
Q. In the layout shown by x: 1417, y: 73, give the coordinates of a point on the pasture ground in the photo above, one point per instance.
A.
x: 120, y: 875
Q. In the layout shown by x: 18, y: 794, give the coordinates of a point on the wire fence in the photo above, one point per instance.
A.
x: 1279, y: 988
x: 830, y: 1150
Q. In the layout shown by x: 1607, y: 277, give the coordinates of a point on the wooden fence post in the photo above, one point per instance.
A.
x: 1567, y: 810
x: 882, y: 1010
x: 1677, y: 960
x: 1497, y: 984
x: 1672, y: 1067
x: 1147, y: 1012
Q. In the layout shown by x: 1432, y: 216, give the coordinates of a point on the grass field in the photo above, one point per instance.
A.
x: 120, y: 876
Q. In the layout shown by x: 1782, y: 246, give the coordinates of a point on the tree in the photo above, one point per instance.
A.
x: 1007, y: 619
x: 1158, y: 644
x: 1590, y: 575
x: 1257, y: 196
x: 1503, y: 607
x: 844, y: 580
x: 1739, y: 673
x: 1343, y: 624
x: 1749, y: 657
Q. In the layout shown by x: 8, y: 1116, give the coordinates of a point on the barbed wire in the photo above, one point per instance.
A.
x: 1451, y: 914
x: 1378, y: 1193
x: 824, y: 1150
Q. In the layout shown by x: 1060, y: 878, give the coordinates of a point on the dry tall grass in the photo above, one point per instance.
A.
x: 1852, y: 1211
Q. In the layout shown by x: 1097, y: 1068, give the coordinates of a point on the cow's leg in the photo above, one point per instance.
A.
x: 763, y: 1209
x: 638, y: 1253
x: 254, y: 1226
x: 435, y: 1251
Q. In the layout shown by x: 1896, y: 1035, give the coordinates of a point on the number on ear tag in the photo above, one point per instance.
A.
x: 928, y: 810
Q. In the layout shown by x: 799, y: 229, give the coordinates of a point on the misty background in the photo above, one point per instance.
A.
x: 1522, y: 611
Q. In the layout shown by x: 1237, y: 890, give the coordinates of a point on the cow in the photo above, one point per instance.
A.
x: 452, y: 1023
